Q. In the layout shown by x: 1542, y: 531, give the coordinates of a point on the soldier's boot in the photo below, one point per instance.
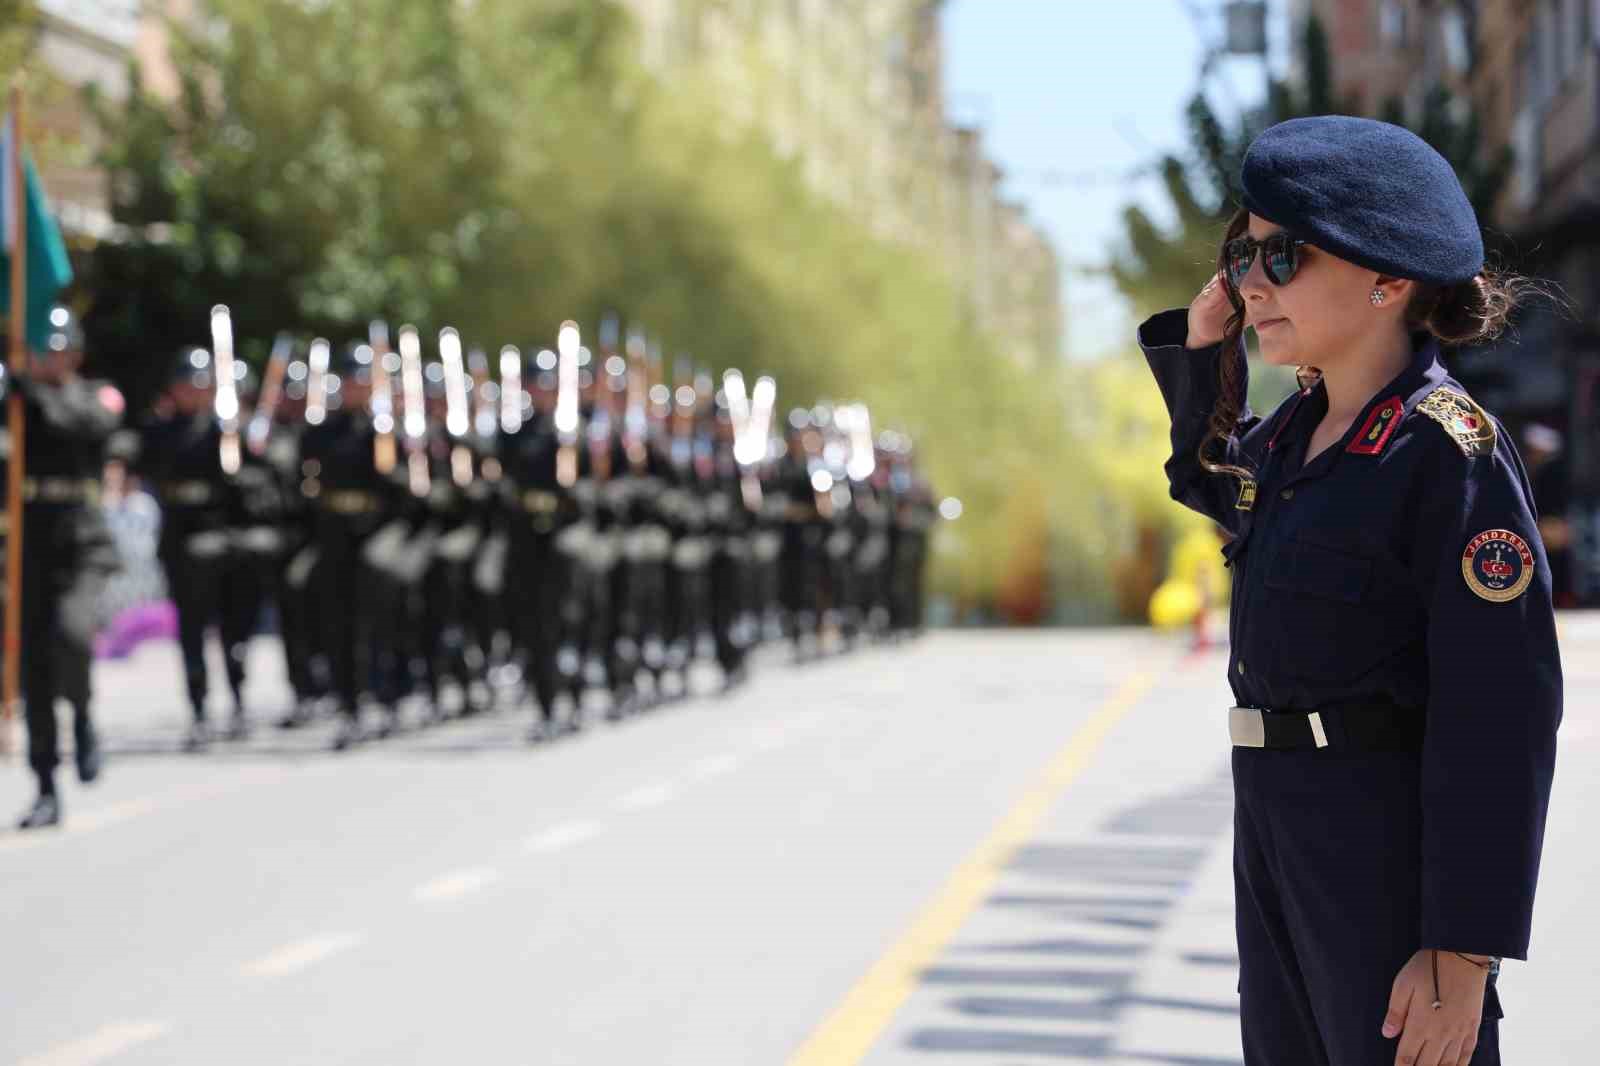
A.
x: 391, y: 721
x: 45, y: 812
x: 349, y: 732
x: 86, y: 744
x: 297, y: 716
x: 198, y: 738
x: 239, y: 722
x: 478, y: 694
x: 624, y: 701
x: 544, y: 724
x: 424, y: 673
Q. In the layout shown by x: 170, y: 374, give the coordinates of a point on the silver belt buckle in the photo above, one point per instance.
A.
x: 1246, y: 728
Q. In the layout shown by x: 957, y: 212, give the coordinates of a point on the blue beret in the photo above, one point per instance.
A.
x: 1369, y: 192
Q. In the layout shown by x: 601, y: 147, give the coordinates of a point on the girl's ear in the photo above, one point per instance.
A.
x: 1396, y: 291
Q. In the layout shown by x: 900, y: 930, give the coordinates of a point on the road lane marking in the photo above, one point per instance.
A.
x: 460, y: 883
x: 849, y: 1032
x: 100, y: 1045
x: 302, y: 953
x: 561, y: 836
x: 715, y: 766
x: 648, y: 796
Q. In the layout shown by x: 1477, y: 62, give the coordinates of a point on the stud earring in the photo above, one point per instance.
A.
x: 1378, y: 296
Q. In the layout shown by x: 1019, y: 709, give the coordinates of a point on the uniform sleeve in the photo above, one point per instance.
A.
x: 1493, y: 706
x: 1189, y: 384
x: 73, y: 409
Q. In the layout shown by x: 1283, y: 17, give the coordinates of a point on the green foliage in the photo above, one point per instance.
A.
x: 502, y: 166
x: 17, y: 21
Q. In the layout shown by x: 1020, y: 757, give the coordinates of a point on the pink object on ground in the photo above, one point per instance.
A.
x: 146, y: 621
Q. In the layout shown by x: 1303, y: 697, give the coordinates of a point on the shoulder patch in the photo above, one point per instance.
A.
x: 1497, y: 565
x: 1462, y: 418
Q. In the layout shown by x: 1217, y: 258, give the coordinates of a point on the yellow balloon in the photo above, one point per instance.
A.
x: 1174, y: 603
x: 1198, y: 552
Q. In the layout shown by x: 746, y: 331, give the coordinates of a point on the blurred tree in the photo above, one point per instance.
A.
x: 17, y: 22
x: 504, y: 165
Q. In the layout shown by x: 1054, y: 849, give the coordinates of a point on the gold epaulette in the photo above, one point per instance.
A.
x: 1462, y: 418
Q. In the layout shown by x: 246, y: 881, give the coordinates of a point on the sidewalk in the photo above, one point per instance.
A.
x: 1109, y: 938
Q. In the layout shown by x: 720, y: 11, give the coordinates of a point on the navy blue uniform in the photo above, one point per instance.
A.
x: 1400, y: 567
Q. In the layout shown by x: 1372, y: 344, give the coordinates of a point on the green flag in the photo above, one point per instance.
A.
x: 48, y: 270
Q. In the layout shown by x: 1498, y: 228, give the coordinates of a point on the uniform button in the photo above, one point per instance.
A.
x: 1287, y: 494
x: 1241, y: 667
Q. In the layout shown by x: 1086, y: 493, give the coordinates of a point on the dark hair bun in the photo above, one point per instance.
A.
x: 1471, y: 312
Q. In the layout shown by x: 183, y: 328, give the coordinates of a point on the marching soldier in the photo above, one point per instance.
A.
x: 804, y: 530
x: 179, y: 455
x: 544, y: 538
x: 276, y: 428
x: 68, y: 549
x: 685, y: 449
x: 730, y: 522
x: 451, y: 529
x: 610, y: 636
x: 351, y: 500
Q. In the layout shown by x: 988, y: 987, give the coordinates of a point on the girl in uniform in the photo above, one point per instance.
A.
x: 1393, y: 646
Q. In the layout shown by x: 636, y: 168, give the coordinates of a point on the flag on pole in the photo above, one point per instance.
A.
x: 49, y: 270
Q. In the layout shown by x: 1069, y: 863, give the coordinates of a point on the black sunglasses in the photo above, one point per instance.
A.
x: 1283, y: 258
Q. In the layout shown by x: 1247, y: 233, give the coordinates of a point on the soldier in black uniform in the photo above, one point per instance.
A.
x: 350, y: 500
x: 210, y: 578
x: 646, y: 519
x: 874, y: 519
x: 804, y: 531
x: 277, y: 434
x: 541, y: 604
x: 684, y: 448
x: 602, y: 491
x: 730, y: 524
x: 68, y: 551
x: 450, y: 526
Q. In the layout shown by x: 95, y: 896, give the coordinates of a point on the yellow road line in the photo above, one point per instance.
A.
x: 850, y: 1031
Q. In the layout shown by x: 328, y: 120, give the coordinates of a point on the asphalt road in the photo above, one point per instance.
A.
x: 980, y: 847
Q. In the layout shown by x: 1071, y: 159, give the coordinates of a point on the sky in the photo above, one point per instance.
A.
x: 1074, y: 94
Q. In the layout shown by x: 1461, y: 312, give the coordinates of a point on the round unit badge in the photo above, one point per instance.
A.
x: 1498, y: 565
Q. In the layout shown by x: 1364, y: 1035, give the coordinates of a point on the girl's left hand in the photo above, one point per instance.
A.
x: 1444, y: 1037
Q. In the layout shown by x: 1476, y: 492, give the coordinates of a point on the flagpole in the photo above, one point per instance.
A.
x: 15, y: 422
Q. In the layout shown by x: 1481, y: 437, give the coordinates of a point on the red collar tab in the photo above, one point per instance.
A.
x: 1378, y: 428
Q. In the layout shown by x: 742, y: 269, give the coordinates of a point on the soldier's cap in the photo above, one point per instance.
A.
x: 65, y: 332
x: 433, y: 380
x: 1369, y: 192
x: 191, y: 366
x: 353, y: 363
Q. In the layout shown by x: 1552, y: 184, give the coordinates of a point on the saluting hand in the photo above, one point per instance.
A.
x: 1208, y: 314
x: 1444, y: 1037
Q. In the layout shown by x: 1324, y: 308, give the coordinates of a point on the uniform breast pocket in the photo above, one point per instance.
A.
x: 1323, y: 612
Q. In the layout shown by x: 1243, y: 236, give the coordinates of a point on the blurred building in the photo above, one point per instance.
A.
x: 853, y: 93
x: 1530, y: 71
x: 82, y: 43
